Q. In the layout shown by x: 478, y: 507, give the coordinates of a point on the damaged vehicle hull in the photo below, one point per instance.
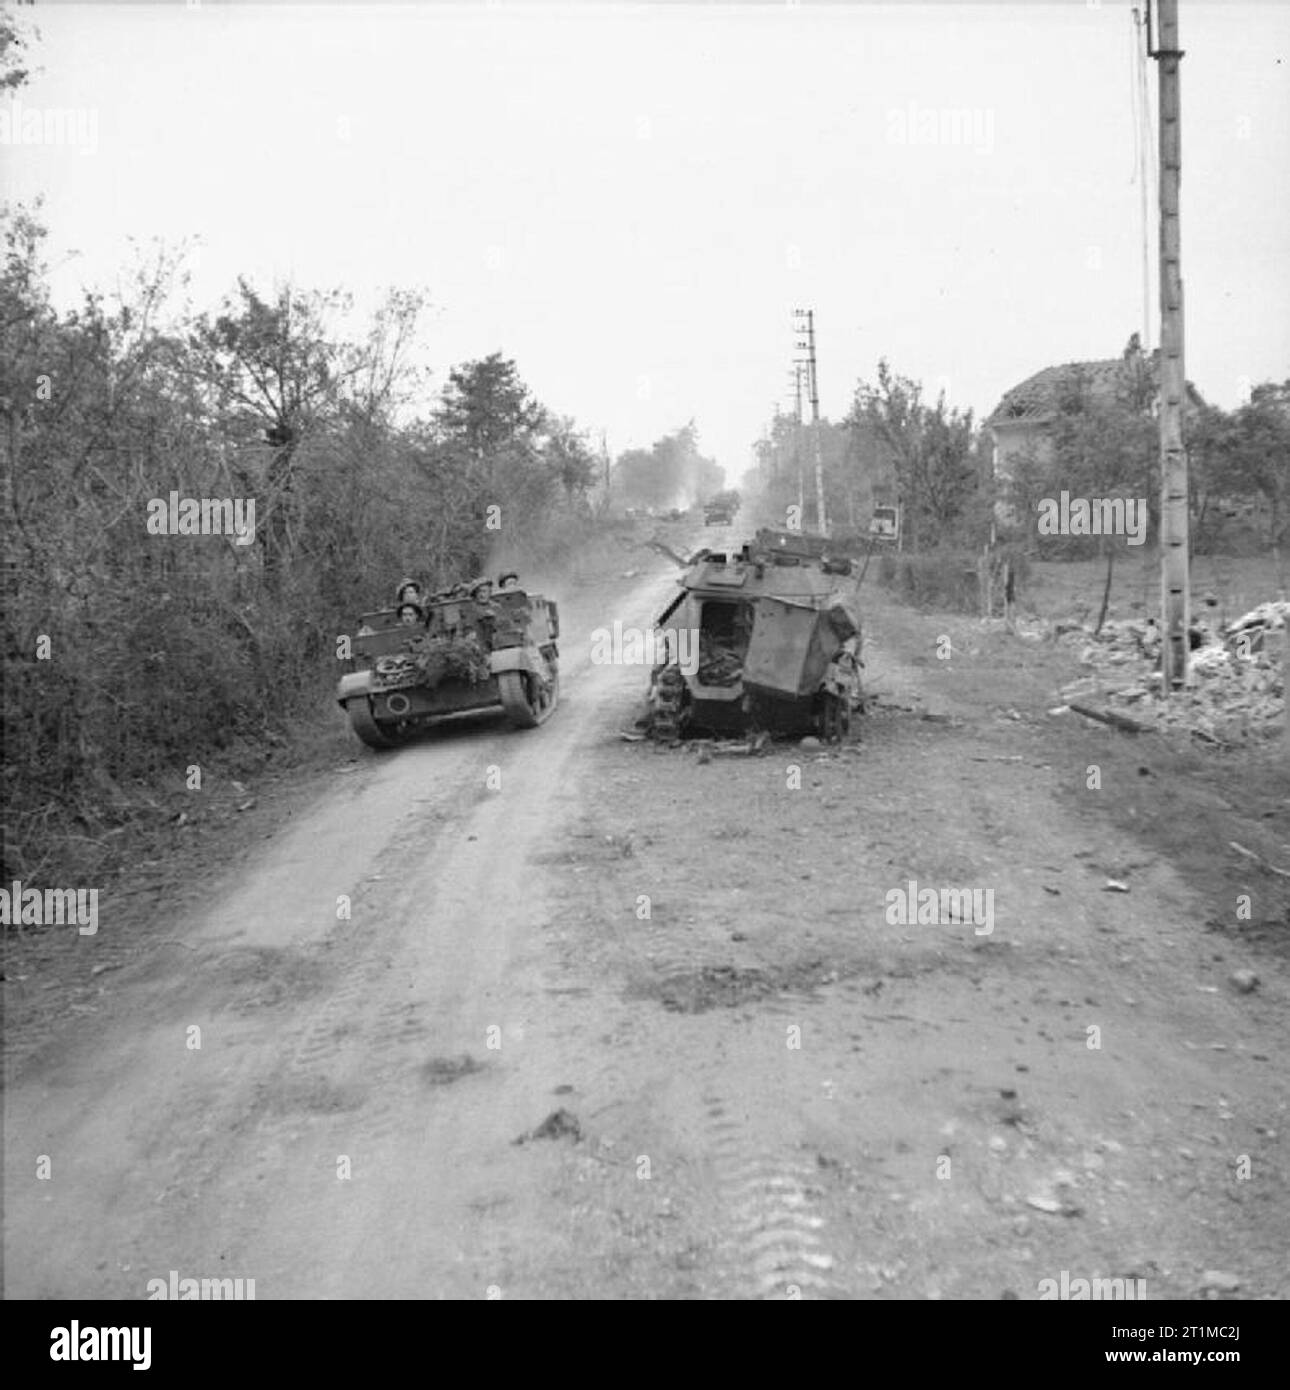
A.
x: 771, y: 648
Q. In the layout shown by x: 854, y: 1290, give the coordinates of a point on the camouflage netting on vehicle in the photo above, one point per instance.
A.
x: 444, y: 658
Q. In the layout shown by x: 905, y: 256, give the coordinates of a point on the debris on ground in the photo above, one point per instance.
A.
x: 443, y: 1071
x: 1237, y: 693
x: 1262, y: 863
x: 559, y: 1124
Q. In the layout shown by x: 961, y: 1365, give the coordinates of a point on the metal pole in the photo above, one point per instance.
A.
x: 821, y: 521
x: 1174, y: 577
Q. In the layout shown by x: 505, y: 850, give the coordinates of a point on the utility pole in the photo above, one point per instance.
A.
x: 808, y: 327
x: 797, y: 440
x: 1142, y: 142
x: 1175, y: 588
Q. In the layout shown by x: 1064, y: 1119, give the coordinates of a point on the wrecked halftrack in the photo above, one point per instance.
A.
x: 757, y: 641
x: 461, y: 656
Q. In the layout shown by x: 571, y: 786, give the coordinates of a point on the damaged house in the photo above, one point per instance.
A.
x: 1023, y: 426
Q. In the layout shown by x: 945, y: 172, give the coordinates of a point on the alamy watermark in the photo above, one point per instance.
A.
x: 73, y: 126
x: 1100, y: 516
x: 955, y: 907
x: 77, y: 1343
x: 1066, y: 1287
x: 634, y: 646
x: 203, y: 516
x: 227, y: 1290
x: 941, y: 125
x: 50, y: 907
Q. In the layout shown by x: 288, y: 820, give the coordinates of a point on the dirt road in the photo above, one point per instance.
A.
x: 608, y: 1022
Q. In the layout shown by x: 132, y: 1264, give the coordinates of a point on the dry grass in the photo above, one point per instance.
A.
x: 1074, y: 589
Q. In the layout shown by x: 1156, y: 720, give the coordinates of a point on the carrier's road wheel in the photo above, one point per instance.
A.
x: 525, y: 703
x: 370, y: 730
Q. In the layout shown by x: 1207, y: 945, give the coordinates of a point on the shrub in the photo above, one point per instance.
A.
x: 945, y: 579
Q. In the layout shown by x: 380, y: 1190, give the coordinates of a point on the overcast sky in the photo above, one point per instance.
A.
x: 631, y: 200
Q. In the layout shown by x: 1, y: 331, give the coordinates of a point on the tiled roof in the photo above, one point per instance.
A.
x: 1036, y: 398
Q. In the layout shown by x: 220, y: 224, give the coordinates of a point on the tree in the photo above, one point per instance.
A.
x: 1247, y: 453
x: 934, y: 451
x: 13, y: 58
x: 486, y: 407
x: 568, y: 457
x: 273, y: 376
x: 671, y: 473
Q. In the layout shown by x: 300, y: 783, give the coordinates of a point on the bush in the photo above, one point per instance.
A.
x: 949, y: 579
x: 945, y: 579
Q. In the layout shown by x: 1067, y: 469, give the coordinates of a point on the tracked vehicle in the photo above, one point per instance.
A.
x: 759, y: 640
x: 462, y: 656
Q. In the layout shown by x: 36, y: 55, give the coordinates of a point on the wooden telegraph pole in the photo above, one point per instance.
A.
x: 1175, y: 589
x: 821, y: 521
x: 797, y: 438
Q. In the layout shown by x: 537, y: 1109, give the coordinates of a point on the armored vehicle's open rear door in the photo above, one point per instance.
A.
x: 792, y: 644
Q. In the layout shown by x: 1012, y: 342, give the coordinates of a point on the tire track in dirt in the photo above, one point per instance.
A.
x: 776, y: 1231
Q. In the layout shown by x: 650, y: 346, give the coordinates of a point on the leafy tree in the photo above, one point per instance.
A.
x: 487, y: 408
x: 935, y: 454
x: 671, y: 473
x: 1246, y: 453
x: 568, y: 457
x: 13, y: 57
x: 273, y: 377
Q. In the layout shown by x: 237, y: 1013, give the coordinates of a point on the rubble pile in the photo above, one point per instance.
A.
x: 1238, y: 687
x: 1248, y: 631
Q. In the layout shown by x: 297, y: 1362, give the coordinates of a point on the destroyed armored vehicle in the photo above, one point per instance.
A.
x: 757, y: 641
x: 454, y: 656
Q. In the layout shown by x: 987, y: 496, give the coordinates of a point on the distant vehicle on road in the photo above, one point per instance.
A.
x: 721, y: 509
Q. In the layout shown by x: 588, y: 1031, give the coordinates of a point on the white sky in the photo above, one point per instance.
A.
x: 630, y: 200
